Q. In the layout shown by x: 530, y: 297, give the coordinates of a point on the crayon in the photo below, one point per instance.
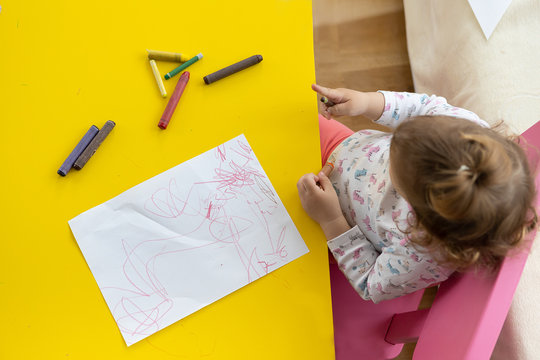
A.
x: 327, y: 102
x: 166, y: 56
x: 328, y: 168
x: 171, y: 73
x: 94, y: 144
x: 83, y: 143
x: 157, y: 75
x: 231, y: 69
x: 173, y: 101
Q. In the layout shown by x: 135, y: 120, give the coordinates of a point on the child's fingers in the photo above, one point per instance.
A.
x: 324, y: 181
x: 331, y: 94
x: 319, y: 89
x: 308, y: 183
x: 327, y: 169
x: 326, y: 114
x: 338, y: 110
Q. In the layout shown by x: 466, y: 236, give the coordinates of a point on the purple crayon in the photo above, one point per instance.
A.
x: 94, y: 144
x: 68, y: 163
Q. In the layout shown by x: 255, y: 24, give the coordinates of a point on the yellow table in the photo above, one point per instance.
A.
x: 66, y: 65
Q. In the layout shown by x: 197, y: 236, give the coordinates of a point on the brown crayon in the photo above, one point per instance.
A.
x: 231, y: 69
x: 327, y: 102
x: 94, y: 144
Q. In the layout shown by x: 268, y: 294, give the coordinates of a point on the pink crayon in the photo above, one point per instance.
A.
x: 173, y: 101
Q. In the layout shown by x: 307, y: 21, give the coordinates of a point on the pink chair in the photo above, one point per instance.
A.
x: 463, y: 322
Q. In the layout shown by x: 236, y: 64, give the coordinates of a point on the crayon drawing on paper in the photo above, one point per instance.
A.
x: 185, y: 238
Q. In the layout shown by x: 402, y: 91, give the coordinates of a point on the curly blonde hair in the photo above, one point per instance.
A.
x: 471, y: 189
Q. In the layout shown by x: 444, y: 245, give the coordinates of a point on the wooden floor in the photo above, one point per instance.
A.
x: 362, y: 45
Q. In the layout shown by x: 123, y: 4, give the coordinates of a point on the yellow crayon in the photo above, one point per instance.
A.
x: 166, y: 56
x: 157, y: 75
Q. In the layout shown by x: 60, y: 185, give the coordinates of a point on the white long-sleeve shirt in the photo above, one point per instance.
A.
x: 375, y: 256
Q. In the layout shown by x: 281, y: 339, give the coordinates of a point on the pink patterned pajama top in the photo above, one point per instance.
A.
x: 375, y: 256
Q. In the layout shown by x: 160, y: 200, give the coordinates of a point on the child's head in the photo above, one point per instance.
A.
x: 471, y: 189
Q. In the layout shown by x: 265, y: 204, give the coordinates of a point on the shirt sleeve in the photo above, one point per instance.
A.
x: 382, y: 276
x: 402, y: 106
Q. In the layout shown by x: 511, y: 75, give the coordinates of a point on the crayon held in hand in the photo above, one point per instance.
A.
x: 231, y: 69
x: 173, y: 101
x: 194, y: 59
x: 94, y: 144
x: 83, y: 143
x: 157, y: 75
x: 328, y: 168
x: 327, y: 102
x: 166, y: 56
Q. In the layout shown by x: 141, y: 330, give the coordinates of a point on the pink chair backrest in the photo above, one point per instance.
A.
x: 464, y: 321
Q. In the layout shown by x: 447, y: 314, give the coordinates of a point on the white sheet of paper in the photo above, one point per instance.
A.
x: 185, y: 238
x: 489, y: 13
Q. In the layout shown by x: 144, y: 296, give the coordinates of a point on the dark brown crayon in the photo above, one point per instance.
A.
x: 94, y: 144
x: 327, y: 102
x: 231, y: 69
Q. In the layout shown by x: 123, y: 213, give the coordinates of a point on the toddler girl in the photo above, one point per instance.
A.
x: 403, y: 210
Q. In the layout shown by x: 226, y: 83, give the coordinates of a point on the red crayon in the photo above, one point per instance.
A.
x: 173, y: 101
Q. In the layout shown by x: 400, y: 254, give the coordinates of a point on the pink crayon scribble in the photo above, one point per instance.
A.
x: 221, y: 152
x: 207, y: 212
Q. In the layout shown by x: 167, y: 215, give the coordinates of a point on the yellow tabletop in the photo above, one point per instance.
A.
x: 66, y: 65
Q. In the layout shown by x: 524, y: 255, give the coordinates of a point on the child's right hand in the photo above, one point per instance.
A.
x: 321, y: 203
x: 347, y: 102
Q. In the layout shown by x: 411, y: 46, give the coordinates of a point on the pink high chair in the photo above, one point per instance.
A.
x: 463, y: 322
